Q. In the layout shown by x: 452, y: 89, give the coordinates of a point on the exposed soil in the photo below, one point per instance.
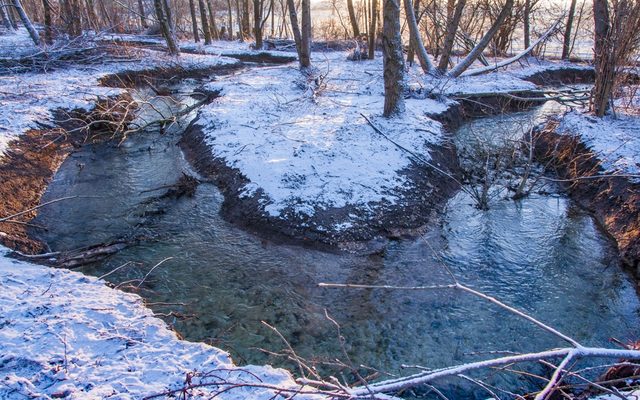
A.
x: 562, y: 76
x: 407, y: 218
x: 615, y: 202
x: 30, y: 163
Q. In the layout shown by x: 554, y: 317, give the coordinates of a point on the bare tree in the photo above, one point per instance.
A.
x: 33, y: 33
x: 5, y: 17
x: 143, y: 14
x: 205, y: 22
x: 373, y: 28
x: 393, y: 59
x: 353, y: 19
x: 566, y: 44
x: 423, y: 57
x: 305, y: 43
x: 450, y: 36
x: 167, y: 32
x: 194, y: 21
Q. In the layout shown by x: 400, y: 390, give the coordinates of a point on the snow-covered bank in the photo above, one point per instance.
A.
x: 615, y: 140
x: 307, y: 156
x: 64, y: 334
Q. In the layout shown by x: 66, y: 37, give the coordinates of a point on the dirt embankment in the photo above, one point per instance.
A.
x: 615, y: 202
x: 365, y: 234
x: 31, y: 161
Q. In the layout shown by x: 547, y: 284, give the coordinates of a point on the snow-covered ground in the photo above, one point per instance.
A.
x: 64, y: 334
x: 614, y: 139
x: 305, y: 143
x: 31, y: 98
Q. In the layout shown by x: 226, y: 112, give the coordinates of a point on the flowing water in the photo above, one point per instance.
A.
x: 541, y: 254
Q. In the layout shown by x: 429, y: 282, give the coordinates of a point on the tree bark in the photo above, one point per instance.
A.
x: 423, y: 57
x: 566, y: 44
x: 482, y: 44
x: 48, y: 31
x: 169, y: 17
x: 33, y: 33
x: 295, y: 27
x: 527, y: 23
x: 257, y: 23
x: 194, y: 21
x: 5, y: 17
x: 373, y: 29
x: 411, y: 51
x: 450, y: 36
x: 165, y: 28
x: 143, y: 15
x: 215, y: 35
x: 246, y: 25
x: 305, y: 43
x: 205, y: 22
x: 239, y: 20
x: 230, y: 19
x: 353, y: 19
x: 604, y: 69
x: 393, y: 59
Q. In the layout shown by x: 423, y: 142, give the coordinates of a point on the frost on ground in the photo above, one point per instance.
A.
x: 28, y: 100
x: 304, y: 144
x: 64, y: 334
x: 614, y: 139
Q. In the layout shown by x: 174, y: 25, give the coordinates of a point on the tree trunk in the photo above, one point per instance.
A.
x: 246, y: 25
x: 194, y: 21
x: 165, y: 28
x: 230, y: 19
x: 5, y: 17
x: 527, y: 23
x: 566, y: 44
x: 604, y: 70
x: 352, y: 18
x: 215, y: 35
x: 393, y: 59
x: 26, y: 22
x: 10, y: 14
x: 169, y: 17
x: 295, y: 28
x: 239, y: 19
x: 450, y: 36
x: 48, y: 31
x: 143, y: 15
x: 412, y: 44
x: 205, y: 22
x: 373, y: 29
x: 482, y: 44
x: 257, y: 23
x: 305, y: 43
x: 423, y: 57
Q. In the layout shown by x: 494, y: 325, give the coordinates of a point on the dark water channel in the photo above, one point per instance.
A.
x: 541, y: 254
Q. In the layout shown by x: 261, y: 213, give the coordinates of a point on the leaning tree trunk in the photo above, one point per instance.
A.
x: 411, y: 51
x: 482, y: 44
x: 353, y: 19
x: 295, y: 27
x: 373, y: 29
x: 421, y: 52
x: 566, y: 44
x: 165, y: 28
x: 194, y: 21
x: 393, y: 60
x: 169, y: 17
x: 450, y: 36
x: 305, y: 42
x: 26, y: 22
x: 205, y: 22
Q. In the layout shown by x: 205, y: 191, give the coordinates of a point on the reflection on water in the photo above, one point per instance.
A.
x: 540, y: 254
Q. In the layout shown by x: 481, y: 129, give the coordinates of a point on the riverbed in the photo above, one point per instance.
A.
x: 541, y: 254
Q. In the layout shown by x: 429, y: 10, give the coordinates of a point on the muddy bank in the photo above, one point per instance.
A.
x: 168, y: 76
x: 562, y: 76
x: 614, y: 202
x: 31, y: 161
x: 366, y: 233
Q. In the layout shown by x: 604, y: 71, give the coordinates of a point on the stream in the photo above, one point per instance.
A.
x: 542, y: 254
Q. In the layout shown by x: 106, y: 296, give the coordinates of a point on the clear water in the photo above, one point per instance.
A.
x: 541, y: 254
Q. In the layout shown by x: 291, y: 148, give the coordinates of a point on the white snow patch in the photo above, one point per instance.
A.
x: 64, y: 333
x: 614, y: 140
x: 493, y: 82
x: 311, y: 151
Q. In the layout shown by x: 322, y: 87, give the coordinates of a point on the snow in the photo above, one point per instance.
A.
x: 64, y: 333
x: 31, y: 98
x: 494, y: 82
x: 309, y: 150
x: 614, y: 140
